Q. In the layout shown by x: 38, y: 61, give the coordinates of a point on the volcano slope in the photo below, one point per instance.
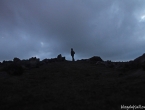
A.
x: 72, y: 86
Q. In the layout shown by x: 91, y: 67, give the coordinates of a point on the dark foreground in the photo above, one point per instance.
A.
x: 72, y: 86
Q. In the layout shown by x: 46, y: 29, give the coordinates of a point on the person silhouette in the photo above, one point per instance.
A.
x: 72, y: 54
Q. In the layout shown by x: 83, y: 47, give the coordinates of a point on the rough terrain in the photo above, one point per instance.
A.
x: 72, y: 86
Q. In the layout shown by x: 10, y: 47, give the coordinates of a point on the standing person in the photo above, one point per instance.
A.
x: 72, y: 54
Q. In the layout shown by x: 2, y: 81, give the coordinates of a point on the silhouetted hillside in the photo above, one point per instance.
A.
x: 140, y: 59
x: 72, y: 86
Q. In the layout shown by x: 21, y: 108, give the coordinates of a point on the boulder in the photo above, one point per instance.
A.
x: 140, y: 59
x: 34, y: 62
x: 16, y: 59
x: 138, y: 62
x: 95, y: 59
x: 45, y: 61
x: 60, y: 58
x: 6, y: 63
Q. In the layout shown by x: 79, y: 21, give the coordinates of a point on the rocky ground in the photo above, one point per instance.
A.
x: 72, y: 86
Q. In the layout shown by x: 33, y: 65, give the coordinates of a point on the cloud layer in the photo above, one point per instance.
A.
x: 111, y: 29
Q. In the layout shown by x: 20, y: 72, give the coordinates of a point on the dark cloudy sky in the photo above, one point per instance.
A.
x: 111, y: 29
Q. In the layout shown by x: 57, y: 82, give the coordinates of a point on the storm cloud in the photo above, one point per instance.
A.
x: 111, y: 29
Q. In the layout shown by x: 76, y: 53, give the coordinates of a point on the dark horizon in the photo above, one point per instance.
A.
x: 71, y: 60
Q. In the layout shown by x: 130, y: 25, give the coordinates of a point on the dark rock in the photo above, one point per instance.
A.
x: 143, y: 65
x: 16, y: 59
x: 34, y: 62
x: 60, y: 58
x: 95, y: 59
x: 6, y: 63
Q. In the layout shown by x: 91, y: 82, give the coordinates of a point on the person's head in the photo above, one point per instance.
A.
x: 71, y: 49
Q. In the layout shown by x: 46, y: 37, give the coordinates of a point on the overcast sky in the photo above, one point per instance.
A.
x: 111, y: 29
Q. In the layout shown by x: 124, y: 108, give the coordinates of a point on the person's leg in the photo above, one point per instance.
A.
x: 73, y: 58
